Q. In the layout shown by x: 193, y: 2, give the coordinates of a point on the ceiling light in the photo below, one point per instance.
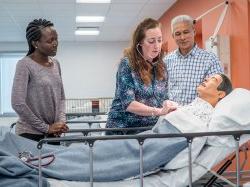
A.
x: 93, y: 1
x: 89, y: 19
x: 87, y: 31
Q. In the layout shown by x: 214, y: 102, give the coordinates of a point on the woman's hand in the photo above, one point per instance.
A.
x: 168, y: 106
x: 58, y: 128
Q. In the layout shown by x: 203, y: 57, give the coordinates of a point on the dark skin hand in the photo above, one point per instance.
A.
x: 58, y: 128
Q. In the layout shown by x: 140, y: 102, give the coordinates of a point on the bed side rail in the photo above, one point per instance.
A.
x: 141, y: 138
x: 85, y: 132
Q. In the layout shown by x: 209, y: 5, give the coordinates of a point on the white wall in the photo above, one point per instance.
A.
x: 88, y: 68
x: 13, y: 47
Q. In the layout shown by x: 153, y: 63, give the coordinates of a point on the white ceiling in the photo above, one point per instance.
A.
x: 122, y: 16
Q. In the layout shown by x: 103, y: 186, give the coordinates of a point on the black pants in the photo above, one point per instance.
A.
x: 38, y: 137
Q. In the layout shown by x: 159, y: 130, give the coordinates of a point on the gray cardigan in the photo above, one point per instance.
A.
x: 37, y: 96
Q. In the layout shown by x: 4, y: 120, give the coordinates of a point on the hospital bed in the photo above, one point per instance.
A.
x: 195, y: 163
x: 90, y: 111
x: 76, y: 108
x: 209, y: 157
x: 199, y: 162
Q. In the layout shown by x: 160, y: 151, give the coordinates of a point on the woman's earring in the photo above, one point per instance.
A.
x: 36, y: 47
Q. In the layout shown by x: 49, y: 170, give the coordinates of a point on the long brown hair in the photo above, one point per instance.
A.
x: 138, y: 64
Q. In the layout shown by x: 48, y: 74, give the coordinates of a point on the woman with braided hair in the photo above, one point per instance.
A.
x: 37, y: 94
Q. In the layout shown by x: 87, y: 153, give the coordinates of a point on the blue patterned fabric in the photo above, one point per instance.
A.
x: 185, y: 73
x: 130, y: 87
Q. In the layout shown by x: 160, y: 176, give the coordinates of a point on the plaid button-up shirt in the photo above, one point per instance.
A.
x: 185, y: 73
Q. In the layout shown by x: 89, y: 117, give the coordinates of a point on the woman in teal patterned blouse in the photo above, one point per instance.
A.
x: 141, y: 81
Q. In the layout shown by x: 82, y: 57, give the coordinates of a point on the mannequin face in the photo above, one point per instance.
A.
x: 207, y: 90
x: 151, y: 44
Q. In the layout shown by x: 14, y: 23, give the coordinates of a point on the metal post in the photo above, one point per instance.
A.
x: 64, y: 143
x: 91, y: 144
x: 189, y: 140
x: 90, y: 124
x: 39, y: 168
x: 141, y: 162
x: 237, y: 139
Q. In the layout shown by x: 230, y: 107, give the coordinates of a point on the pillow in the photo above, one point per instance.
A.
x: 231, y: 113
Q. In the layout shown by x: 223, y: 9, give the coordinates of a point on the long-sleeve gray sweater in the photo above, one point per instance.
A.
x: 37, y: 96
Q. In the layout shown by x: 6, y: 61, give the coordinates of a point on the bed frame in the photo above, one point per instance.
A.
x: 140, y: 139
x: 87, y: 107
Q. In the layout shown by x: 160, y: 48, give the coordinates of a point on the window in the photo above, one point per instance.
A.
x: 7, y: 70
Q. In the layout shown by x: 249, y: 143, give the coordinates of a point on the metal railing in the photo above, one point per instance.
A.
x: 124, y: 131
x: 141, y: 138
x: 88, y: 105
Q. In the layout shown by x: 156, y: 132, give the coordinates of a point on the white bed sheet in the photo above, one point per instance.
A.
x: 246, y: 185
